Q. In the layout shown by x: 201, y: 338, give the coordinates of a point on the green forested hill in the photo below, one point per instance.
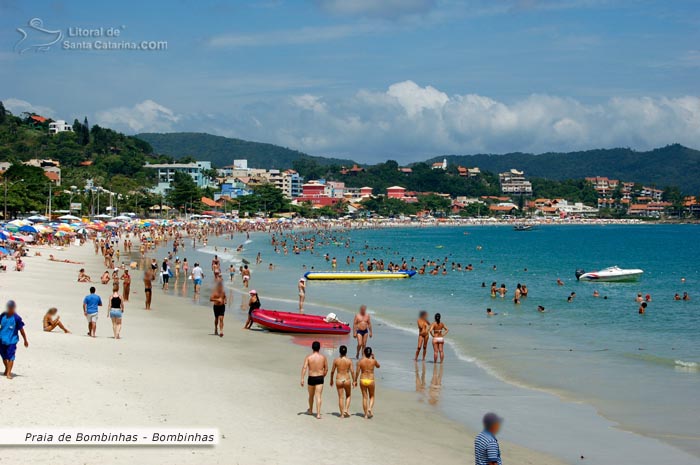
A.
x: 673, y: 165
x: 221, y: 151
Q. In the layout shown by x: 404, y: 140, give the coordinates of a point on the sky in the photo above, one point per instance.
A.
x: 366, y: 79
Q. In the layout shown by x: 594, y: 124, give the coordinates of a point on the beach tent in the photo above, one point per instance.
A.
x: 69, y: 217
x: 37, y: 218
x: 122, y: 218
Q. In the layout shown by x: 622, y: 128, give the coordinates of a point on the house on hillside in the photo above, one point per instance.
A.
x: 56, y: 127
x: 441, y: 165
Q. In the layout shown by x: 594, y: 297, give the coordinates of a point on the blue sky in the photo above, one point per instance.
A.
x: 372, y: 79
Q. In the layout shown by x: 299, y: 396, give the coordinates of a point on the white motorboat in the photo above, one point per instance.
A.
x: 611, y: 274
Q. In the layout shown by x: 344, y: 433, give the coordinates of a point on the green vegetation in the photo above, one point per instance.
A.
x: 221, y: 151
x: 110, y: 159
x: 667, y: 166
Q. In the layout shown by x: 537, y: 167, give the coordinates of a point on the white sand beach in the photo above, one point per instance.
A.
x: 169, y: 371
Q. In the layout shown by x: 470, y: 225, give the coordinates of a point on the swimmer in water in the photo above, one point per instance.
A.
x: 438, y: 330
x: 596, y: 293
x: 365, y: 371
x: 559, y: 282
x: 423, y: 333
x: 642, y: 308
x: 343, y: 380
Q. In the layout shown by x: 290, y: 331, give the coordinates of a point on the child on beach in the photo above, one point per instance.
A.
x: 11, y: 326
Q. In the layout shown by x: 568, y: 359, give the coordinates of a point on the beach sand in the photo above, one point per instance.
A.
x: 169, y: 371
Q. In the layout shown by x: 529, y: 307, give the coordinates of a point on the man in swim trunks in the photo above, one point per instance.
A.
x: 218, y: 298
x: 148, y: 276
x: 423, y: 333
x: 317, y: 366
x: 362, y: 327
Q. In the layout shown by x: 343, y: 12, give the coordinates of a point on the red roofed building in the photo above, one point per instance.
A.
x: 396, y: 192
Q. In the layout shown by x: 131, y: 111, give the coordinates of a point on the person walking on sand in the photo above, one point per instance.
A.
x: 362, y: 327
x: 149, y: 276
x: 438, y: 331
x: 486, y: 448
x: 197, y: 276
x: 343, y: 381
x: 302, y: 294
x: 365, y: 371
x: 316, y: 365
x: 91, y: 306
x: 126, y: 286
x: 116, y: 311
x: 52, y: 321
x: 11, y: 326
x: 253, y: 304
x: 218, y: 299
x: 423, y: 333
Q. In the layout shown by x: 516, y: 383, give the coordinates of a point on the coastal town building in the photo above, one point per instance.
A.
x: 314, y: 193
x: 441, y: 165
x: 514, y: 182
x: 52, y: 168
x: 58, y: 126
x: 468, y: 172
x: 166, y: 174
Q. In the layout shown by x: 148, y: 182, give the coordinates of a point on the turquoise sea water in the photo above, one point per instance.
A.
x: 638, y: 371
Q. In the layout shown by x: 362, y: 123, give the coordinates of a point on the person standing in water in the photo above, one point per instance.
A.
x: 362, y: 327
x: 438, y: 331
x: 423, y: 333
x: 116, y: 311
x: 316, y: 365
x: 365, y: 371
x: 343, y: 381
x: 302, y: 294
x: 218, y: 298
x: 253, y: 304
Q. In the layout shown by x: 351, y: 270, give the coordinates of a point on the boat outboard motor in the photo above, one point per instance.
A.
x: 580, y: 273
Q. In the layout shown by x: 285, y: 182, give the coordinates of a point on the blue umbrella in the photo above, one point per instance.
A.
x: 3, y: 235
x: 4, y: 251
x: 28, y: 229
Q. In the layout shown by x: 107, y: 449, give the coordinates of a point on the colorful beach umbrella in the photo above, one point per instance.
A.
x: 28, y: 229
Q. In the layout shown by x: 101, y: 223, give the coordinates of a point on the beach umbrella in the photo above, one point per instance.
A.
x: 4, y: 251
x: 81, y: 231
x: 18, y: 223
x: 64, y: 227
x: 28, y: 229
x: 4, y: 235
x: 12, y: 227
x: 37, y: 218
x: 69, y: 218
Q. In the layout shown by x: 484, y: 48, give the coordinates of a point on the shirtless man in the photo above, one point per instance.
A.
x: 362, y: 326
x: 148, y: 276
x: 365, y: 371
x: 343, y: 381
x: 302, y: 294
x: 423, y: 333
x: 218, y: 299
x: 317, y: 366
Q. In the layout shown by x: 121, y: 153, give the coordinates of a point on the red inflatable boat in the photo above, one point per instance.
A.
x: 298, y: 322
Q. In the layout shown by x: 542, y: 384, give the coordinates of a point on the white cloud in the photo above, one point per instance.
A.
x: 147, y: 116
x: 18, y: 106
x: 409, y: 122
x: 376, y: 8
x: 304, y: 35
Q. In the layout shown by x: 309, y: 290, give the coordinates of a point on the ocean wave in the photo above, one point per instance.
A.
x: 687, y: 366
x: 228, y: 256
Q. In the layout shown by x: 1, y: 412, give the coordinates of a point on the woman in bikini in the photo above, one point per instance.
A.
x: 438, y: 331
x: 116, y: 310
x: 365, y: 371
x: 343, y: 381
x: 53, y: 321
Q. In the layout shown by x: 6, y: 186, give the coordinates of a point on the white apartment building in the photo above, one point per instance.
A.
x: 514, y: 182
x: 166, y: 174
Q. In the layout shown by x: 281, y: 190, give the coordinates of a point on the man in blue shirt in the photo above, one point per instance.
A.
x: 11, y: 326
x: 486, y: 450
x: 91, y: 304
